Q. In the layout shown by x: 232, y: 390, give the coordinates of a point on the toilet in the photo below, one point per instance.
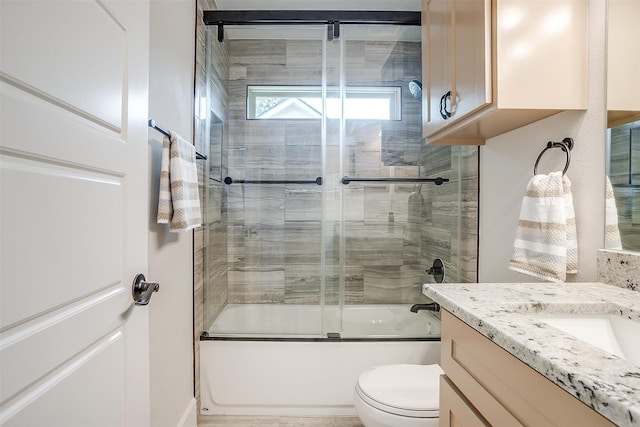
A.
x: 399, y: 396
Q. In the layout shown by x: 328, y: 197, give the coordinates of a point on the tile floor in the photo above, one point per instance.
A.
x: 240, y: 421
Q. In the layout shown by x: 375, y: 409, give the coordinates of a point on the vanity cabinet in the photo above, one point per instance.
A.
x: 484, y: 385
x: 455, y: 409
x: 490, y: 66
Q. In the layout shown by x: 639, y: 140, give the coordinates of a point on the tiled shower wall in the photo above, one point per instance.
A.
x: 273, y: 230
x: 449, y: 226
x: 392, y: 233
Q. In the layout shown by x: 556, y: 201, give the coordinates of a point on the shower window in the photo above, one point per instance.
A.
x: 305, y: 102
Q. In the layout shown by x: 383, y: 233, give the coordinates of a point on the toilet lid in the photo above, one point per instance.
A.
x: 405, y: 387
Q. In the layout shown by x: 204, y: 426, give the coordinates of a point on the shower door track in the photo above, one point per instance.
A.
x: 205, y: 336
x: 266, y: 17
x: 333, y: 18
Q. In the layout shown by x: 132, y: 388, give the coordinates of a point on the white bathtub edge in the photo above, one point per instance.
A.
x: 294, y: 378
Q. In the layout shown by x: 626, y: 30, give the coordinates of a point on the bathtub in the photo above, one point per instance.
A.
x: 268, y: 359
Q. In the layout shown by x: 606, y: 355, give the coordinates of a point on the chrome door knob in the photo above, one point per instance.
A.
x: 141, y: 290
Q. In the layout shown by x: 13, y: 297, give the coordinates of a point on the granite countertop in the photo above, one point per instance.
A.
x: 504, y: 313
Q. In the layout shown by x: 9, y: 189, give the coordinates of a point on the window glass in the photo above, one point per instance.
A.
x: 305, y: 102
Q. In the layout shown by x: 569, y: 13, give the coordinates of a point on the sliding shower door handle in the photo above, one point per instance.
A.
x: 141, y: 290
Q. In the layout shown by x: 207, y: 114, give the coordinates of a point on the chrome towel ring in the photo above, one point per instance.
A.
x: 565, y: 145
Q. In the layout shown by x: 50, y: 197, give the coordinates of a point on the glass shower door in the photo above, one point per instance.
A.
x: 385, y: 225
x: 321, y: 227
x: 276, y: 179
x: 332, y: 202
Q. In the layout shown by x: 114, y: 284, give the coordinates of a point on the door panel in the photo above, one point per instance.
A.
x: 80, y: 393
x: 73, y: 212
x: 73, y: 51
x: 46, y: 129
x: 62, y: 334
x: 55, y: 239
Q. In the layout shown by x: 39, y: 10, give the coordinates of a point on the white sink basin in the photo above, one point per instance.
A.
x: 611, y: 333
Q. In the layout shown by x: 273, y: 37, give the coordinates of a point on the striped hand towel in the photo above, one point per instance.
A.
x: 612, y: 232
x: 546, y: 243
x: 179, y: 200
x: 570, y: 222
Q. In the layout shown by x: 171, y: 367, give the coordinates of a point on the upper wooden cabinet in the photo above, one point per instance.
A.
x: 456, y: 68
x: 490, y: 66
x: 623, y: 62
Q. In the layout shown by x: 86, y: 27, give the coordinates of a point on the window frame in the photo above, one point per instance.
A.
x: 392, y: 93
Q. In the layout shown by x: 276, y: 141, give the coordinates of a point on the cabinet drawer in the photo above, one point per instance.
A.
x: 502, y: 388
x: 455, y: 409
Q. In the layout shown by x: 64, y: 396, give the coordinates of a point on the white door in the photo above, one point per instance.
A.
x: 73, y: 212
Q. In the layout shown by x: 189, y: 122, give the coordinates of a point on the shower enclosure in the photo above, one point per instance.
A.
x: 324, y: 208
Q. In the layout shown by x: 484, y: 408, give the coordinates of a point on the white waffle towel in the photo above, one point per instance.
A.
x: 612, y: 233
x: 546, y: 244
x: 179, y: 200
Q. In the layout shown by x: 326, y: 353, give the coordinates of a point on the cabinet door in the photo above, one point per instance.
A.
x: 623, y: 85
x: 436, y: 61
x: 471, y: 57
x: 456, y: 60
x: 455, y: 410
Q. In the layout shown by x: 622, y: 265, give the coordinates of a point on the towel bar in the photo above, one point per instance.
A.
x: 152, y: 124
x: 228, y: 180
x: 437, y: 181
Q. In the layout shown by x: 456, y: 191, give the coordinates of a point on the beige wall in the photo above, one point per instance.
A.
x: 506, y: 165
x: 170, y: 254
